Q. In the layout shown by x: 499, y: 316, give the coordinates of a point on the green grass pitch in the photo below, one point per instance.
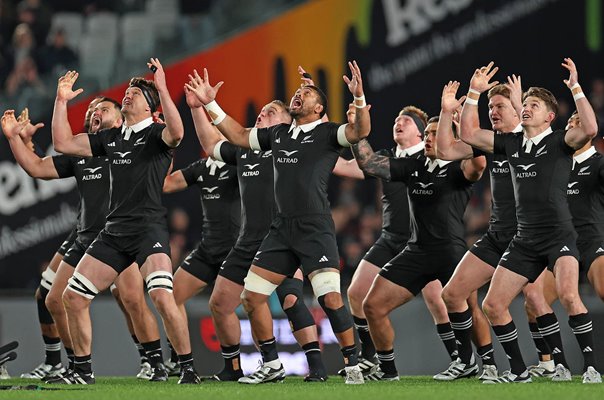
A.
x: 415, y: 388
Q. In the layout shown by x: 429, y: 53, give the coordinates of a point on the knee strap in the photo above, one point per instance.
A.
x: 159, y: 280
x: 299, y: 316
x: 289, y: 286
x: 340, y: 319
x: 81, y: 285
x: 325, y: 282
x: 48, y: 276
x: 257, y: 284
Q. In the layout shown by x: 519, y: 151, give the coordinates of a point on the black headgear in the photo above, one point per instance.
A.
x: 147, y: 94
x: 418, y: 121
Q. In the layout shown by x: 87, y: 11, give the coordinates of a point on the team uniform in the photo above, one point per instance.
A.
x: 540, y: 169
x: 395, y: 212
x: 586, y: 201
x: 68, y: 240
x: 217, y: 184
x: 92, y: 178
x: 303, y: 233
x: 438, y: 194
x: 255, y: 173
x: 136, y: 224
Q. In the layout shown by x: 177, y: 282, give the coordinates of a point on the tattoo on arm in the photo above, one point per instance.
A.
x: 368, y: 161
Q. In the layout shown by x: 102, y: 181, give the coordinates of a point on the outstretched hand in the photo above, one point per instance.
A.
x: 201, y: 87
x: 159, y: 75
x: 65, y: 90
x: 29, y: 129
x: 448, y: 102
x: 481, y: 79
x: 573, y: 78
x: 10, y: 126
x: 514, y: 85
x: 355, y: 83
x: 305, y: 76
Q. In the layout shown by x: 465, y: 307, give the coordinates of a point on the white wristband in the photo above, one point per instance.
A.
x: 474, y: 91
x: 576, y: 85
x: 215, y: 112
x: 471, y: 101
x: 361, y: 101
x: 578, y: 96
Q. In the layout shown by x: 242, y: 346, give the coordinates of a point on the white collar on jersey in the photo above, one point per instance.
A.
x: 304, y: 127
x: 409, y: 151
x: 535, y: 140
x: 518, y: 128
x: 213, y: 164
x: 584, y: 156
x: 136, y: 128
x: 431, y: 164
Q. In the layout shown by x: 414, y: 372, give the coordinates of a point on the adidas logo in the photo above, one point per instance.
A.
x: 81, y: 162
x: 600, y: 250
x: 278, y: 140
x: 323, y: 259
x: 587, y: 350
x: 556, y: 351
x: 244, y: 155
x: 112, y: 144
x: 515, y: 155
x: 157, y: 245
x: 565, y: 248
x: 200, y: 179
x: 414, y: 174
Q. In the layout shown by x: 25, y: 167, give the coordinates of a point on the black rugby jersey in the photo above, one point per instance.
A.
x: 92, y: 179
x: 503, y: 203
x: 438, y: 194
x: 256, y: 185
x: 585, y: 192
x: 540, y: 179
x: 395, y: 203
x: 139, y: 163
x: 303, y: 158
x: 219, y: 193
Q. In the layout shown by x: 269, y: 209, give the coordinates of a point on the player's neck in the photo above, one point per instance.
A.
x: 307, y: 119
x: 133, y: 119
x: 532, y: 131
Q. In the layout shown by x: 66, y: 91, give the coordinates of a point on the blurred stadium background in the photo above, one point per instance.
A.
x: 407, y: 49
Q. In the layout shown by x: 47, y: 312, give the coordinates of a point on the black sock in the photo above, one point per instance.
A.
x: 185, y: 360
x: 540, y: 343
x: 387, y: 364
x: 232, y: 357
x: 445, y: 332
x: 351, y: 357
x: 508, y: 337
x: 486, y: 354
x: 367, y: 347
x: 53, y: 350
x: 268, y: 349
x: 550, y: 330
x: 582, y: 328
x: 173, y: 356
x: 141, y: 350
x: 312, y: 351
x: 83, y: 365
x: 461, y: 323
x: 154, y: 354
x: 70, y: 358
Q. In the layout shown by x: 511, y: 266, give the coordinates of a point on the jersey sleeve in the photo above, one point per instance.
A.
x: 156, y: 134
x: 262, y: 138
x: 337, y: 134
x: 562, y: 141
x: 193, y: 171
x: 98, y: 144
x: 401, y: 168
x: 64, y: 166
x: 226, y: 152
x: 499, y: 142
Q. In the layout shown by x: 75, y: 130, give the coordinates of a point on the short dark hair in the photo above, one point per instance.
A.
x: 435, y: 118
x: 281, y: 104
x: 115, y: 103
x: 322, y: 98
x: 543, y: 94
x: 149, y: 91
x: 500, y: 89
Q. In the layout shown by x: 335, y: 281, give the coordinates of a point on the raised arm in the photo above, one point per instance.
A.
x: 473, y: 168
x: 515, y: 86
x: 174, y: 130
x: 578, y: 136
x: 62, y: 136
x: 206, y: 93
x: 207, y: 133
x: 447, y: 147
x: 35, y: 166
x: 348, y: 169
x: 175, y: 182
x: 368, y: 161
x: 362, y: 124
x: 470, y: 131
